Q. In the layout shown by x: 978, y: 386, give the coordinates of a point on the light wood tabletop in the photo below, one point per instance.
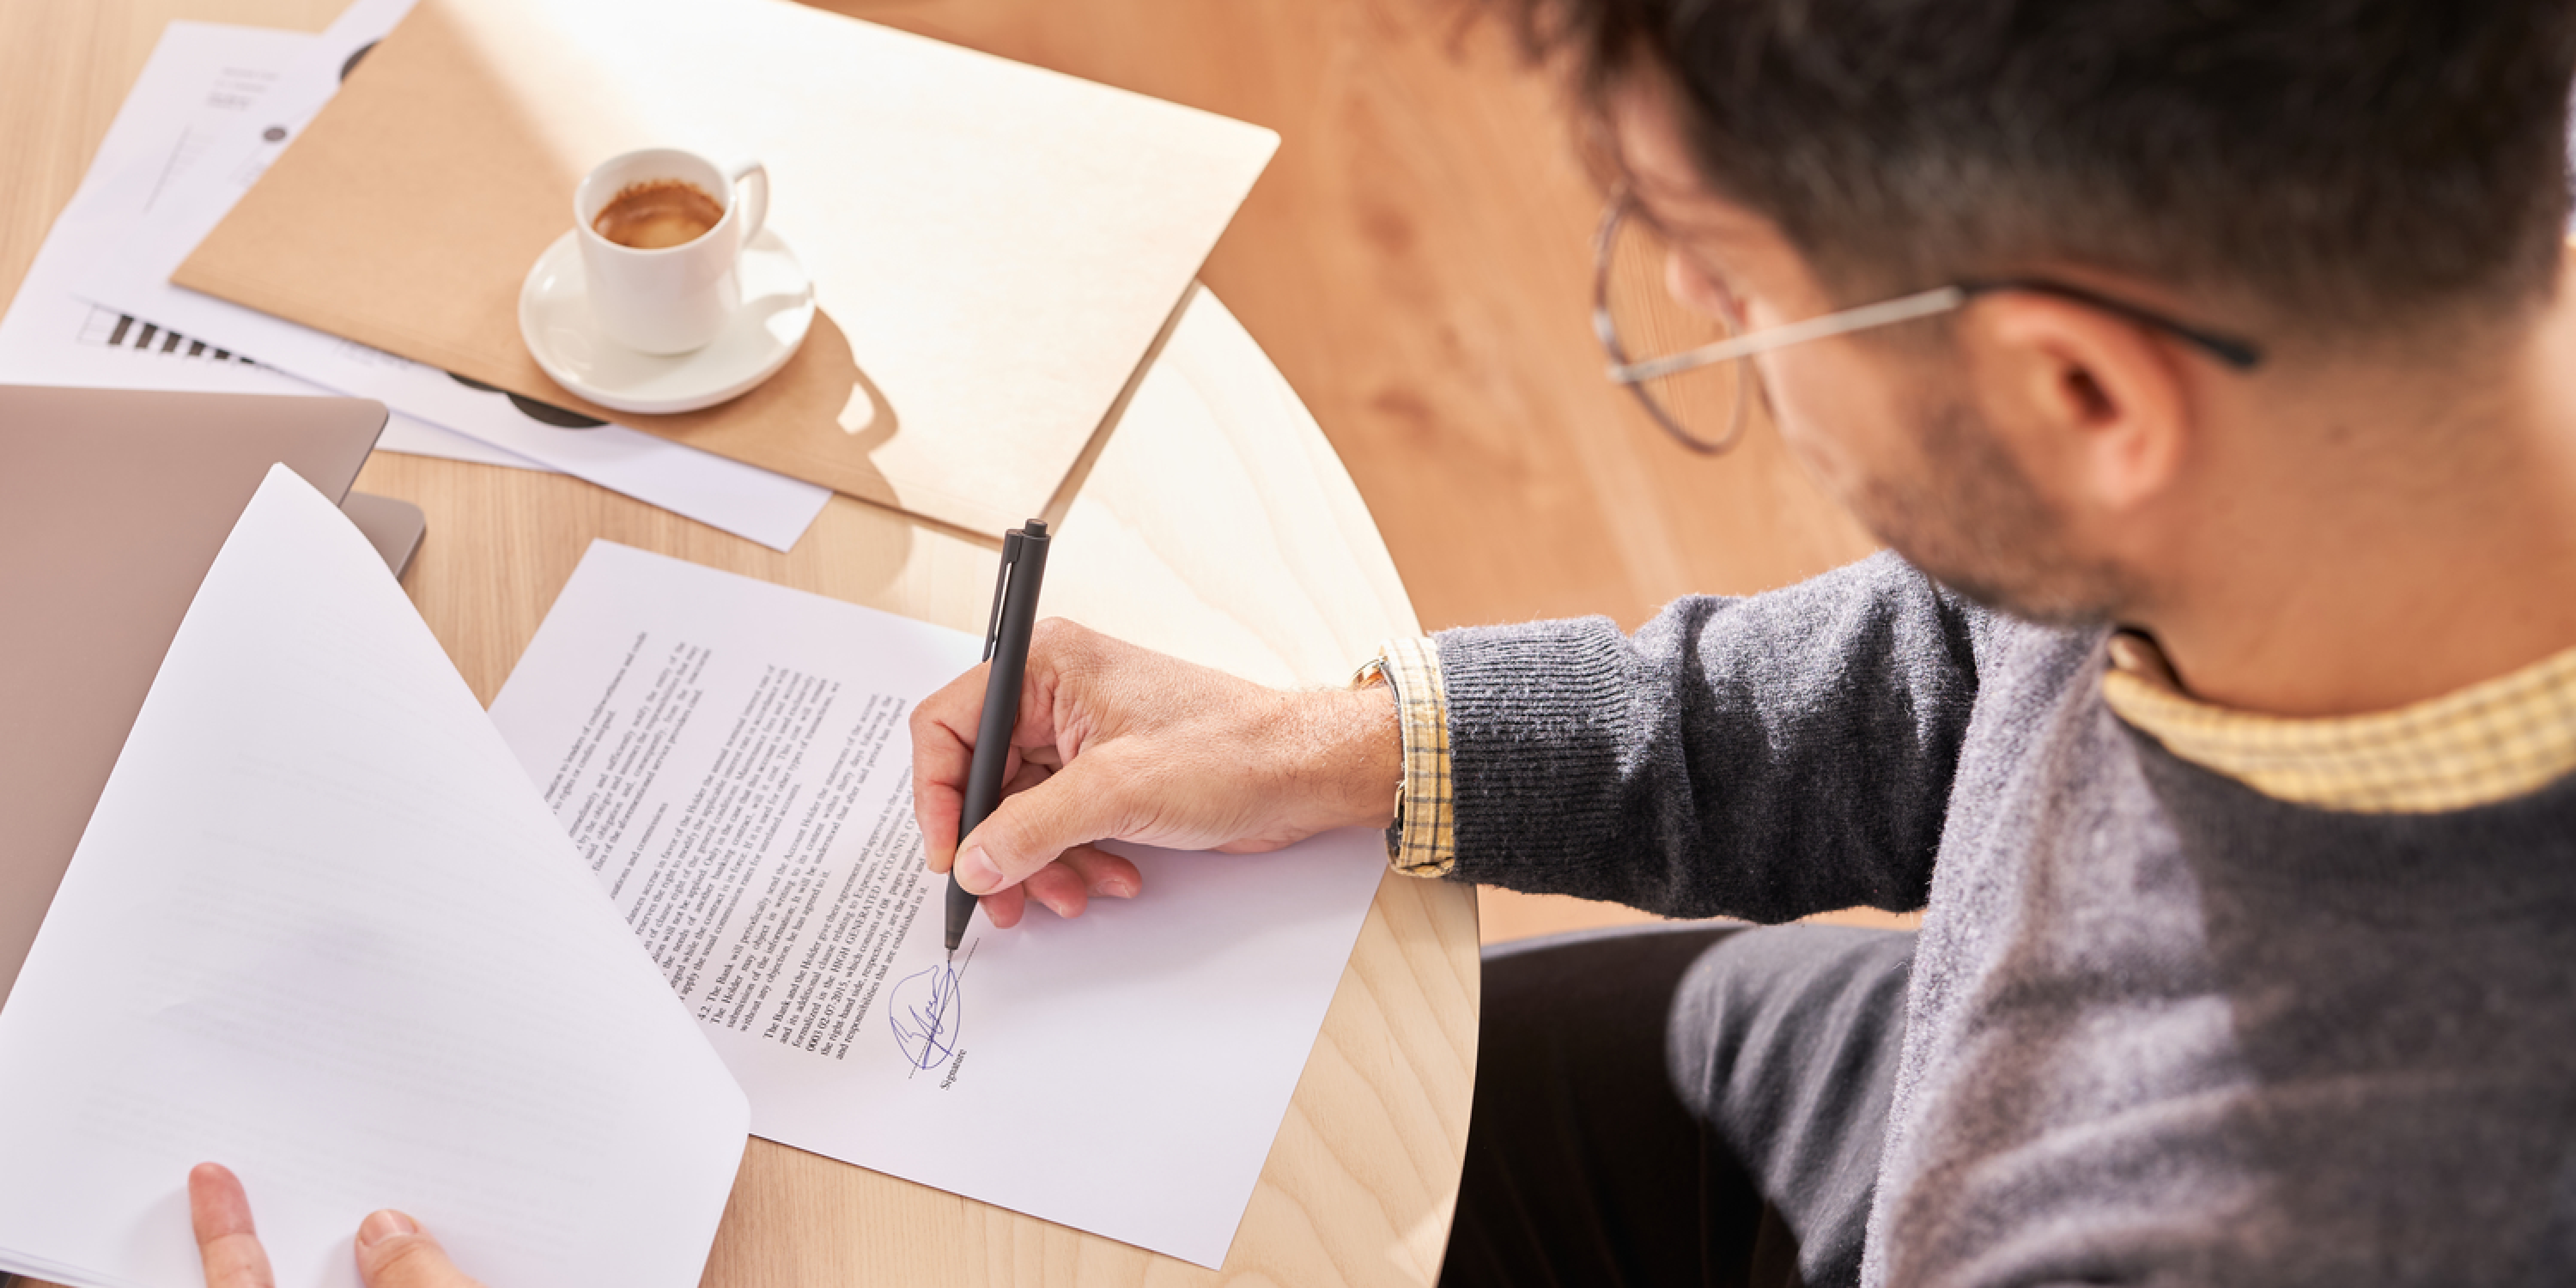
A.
x: 1360, y: 1183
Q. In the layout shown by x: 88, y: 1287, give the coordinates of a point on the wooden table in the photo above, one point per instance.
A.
x: 1360, y: 1183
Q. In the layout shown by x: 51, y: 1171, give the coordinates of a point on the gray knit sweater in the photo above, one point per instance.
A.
x: 2162, y: 1029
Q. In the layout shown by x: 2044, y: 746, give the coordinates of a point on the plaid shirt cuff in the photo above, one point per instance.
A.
x: 1423, y: 842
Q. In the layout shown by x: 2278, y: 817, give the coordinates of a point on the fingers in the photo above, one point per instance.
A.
x: 944, y: 731
x: 943, y: 746
x: 939, y: 778
x: 1004, y: 907
x: 1080, y: 803
x: 226, y: 1240
x: 1057, y: 888
x: 1104, y: 873
x: 936, y: 809
x: 394, y: 1252
x: 1066, y: 886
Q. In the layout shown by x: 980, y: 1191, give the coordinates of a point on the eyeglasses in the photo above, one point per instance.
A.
x: 1703, y: 380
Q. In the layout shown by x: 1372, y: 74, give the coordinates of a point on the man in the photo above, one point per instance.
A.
x: 2248, y: 930
x: 2248, y: 948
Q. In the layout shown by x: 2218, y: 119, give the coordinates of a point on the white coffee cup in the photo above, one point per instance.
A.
x: 675, y: 298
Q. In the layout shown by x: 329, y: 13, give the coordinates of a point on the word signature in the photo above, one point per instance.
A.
x: 926, y: 1014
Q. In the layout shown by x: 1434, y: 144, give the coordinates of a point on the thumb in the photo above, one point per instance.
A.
x: 1084, y: 801
x: 393, y: 1252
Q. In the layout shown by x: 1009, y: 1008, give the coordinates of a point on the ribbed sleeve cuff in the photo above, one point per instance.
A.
x: 1536, y: 716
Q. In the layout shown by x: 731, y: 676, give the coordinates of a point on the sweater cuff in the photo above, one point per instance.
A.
x: 1423, y: 842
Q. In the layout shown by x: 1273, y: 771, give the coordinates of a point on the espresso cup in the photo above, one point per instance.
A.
x: 668, y: 298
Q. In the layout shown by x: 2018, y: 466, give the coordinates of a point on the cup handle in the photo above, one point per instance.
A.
x: 757, y: 214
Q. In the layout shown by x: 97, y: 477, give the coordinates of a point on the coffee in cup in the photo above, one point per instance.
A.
x: 662, y: 235
x: 657, y: 214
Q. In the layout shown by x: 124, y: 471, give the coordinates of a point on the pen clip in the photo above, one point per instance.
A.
x: 1001, y: 590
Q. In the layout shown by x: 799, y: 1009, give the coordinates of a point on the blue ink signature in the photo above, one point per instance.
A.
x: 926, y: 1015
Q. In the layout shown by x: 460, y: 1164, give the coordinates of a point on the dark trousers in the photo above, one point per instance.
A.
x: 1699, y: 1104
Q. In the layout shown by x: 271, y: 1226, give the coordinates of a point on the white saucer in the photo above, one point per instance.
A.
x: 565, y: 337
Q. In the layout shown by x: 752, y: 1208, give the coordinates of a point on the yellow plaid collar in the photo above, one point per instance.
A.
x: 2489, y: 742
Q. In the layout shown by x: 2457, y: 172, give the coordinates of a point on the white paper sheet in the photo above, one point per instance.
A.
x: 204, y: 82
x: 732, y: 759
x: 320, y: 930
x: 131, y: 274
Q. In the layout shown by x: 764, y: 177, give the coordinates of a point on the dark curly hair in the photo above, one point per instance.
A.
x: 2343, y: 167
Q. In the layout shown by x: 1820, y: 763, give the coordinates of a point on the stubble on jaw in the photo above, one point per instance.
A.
x: 1970, y: 518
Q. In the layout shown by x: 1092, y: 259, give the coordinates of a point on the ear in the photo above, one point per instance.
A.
x: 2097, y: 408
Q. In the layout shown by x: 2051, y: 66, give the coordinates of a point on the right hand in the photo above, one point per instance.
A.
x: 1115, y: 742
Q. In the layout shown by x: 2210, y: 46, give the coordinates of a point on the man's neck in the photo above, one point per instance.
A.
x: 2369, y: 586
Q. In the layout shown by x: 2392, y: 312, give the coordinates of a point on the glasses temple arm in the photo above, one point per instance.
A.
x: 2240, y: 354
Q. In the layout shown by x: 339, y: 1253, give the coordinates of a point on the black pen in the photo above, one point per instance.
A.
x: 1006, y: 646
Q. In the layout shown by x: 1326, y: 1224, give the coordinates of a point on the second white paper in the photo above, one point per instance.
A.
x: 732, y: 759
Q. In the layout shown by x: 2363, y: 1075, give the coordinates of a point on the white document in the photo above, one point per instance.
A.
x: 132, y: 275
x: 732, y: 760
x: 321, y: 931
x: 204, y: 83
